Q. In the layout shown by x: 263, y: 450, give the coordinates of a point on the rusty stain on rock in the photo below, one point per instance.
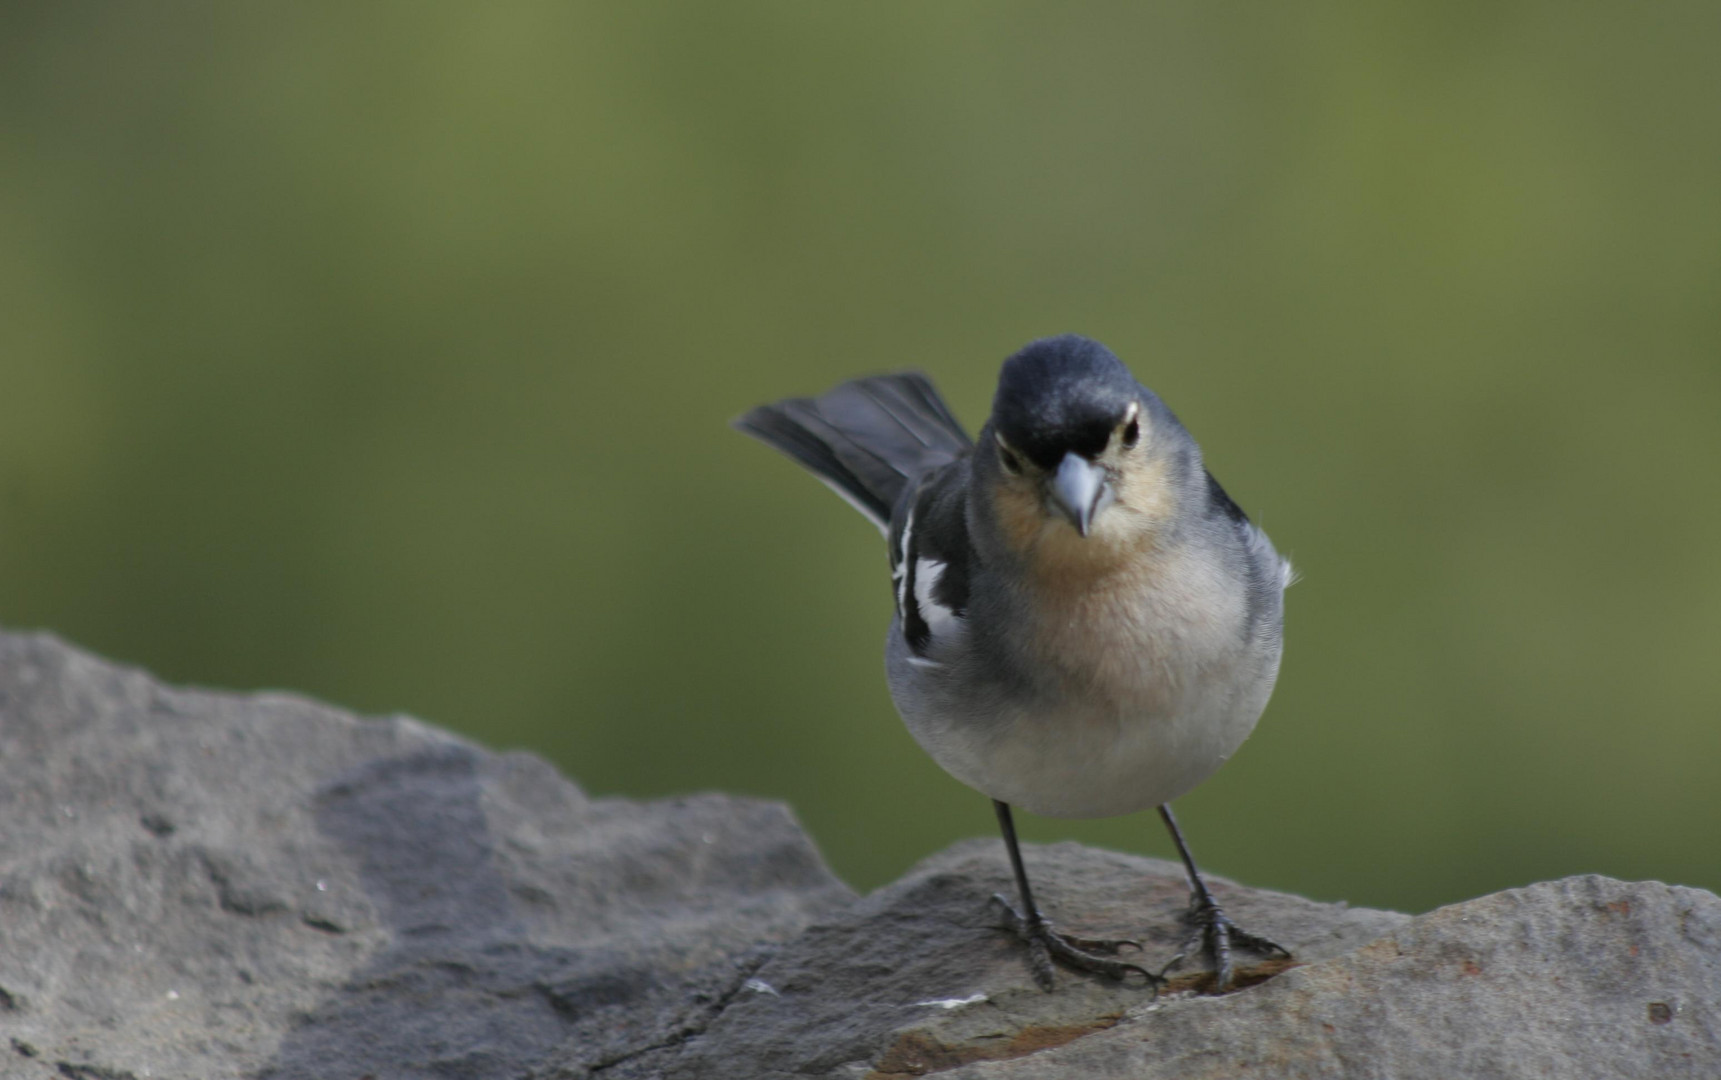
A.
x: 1202, y: 982
x: 918, y: 1052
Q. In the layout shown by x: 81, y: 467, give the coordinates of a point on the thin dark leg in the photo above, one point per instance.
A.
x: 1007, y: 824
x: 1196, y: 885
x: 1215, y: 931
x: 1044, y: 943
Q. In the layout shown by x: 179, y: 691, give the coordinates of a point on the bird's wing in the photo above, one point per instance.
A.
x: 930, y: 558
x: 869, y: 439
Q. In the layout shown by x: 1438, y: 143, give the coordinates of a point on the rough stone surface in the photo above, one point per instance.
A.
x: 196, y: 884
x: 917, y: 978
x: 1585, y: 977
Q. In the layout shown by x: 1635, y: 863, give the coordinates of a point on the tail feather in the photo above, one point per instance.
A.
x: 868, y: 439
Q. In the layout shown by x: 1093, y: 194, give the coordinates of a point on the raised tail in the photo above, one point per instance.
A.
x: 868, y: 439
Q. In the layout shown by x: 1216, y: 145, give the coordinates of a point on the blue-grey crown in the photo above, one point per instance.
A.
x: 1060, y: 394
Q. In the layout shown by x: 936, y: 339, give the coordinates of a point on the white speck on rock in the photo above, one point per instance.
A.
x: 760, y: 986
x: 949, y: 1003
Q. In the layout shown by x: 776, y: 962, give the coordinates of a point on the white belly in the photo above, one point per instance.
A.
x: 1087, y: 763
x: 1143, y: 691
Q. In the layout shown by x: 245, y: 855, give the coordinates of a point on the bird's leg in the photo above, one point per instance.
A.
x: 1213, y: 930
x: 1045, y: 943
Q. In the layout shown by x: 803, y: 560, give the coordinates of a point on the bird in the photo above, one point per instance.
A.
x: 1086, y: 625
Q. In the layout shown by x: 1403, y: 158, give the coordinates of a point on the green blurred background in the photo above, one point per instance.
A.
x: 385, y: 352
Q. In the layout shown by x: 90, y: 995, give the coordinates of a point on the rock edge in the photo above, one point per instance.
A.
x: 202, y: 884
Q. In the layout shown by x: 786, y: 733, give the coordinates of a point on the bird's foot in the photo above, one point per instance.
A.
x: 1213, y: 932
x: 1046, y: 944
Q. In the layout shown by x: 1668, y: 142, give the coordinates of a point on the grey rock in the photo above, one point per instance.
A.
x: 199, y: 884
x: 1585, y: 977
x: 918, y: 977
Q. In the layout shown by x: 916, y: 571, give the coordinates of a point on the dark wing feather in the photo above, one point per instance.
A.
x: 869, y: 438
x: 1224, y: 503
x: 930, y: 534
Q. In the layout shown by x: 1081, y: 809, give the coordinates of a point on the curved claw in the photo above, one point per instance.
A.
x: 1045, y: 943
x: 1215, y: 934
x: 1257, y: 944
x: 1061, y: 947
x: 1106, y: 945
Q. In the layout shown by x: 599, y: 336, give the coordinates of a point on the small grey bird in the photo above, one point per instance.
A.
x: 1086, y: 625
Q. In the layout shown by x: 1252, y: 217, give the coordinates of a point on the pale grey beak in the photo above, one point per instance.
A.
x: 1080, y: 490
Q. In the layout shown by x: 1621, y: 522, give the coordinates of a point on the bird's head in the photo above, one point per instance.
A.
x: 1078, y: 452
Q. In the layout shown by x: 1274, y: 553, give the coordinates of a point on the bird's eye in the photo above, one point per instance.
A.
x: 1131, y: 433
x: 1007, y: 457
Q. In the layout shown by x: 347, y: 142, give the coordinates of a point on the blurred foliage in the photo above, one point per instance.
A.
x: 385, y: 351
